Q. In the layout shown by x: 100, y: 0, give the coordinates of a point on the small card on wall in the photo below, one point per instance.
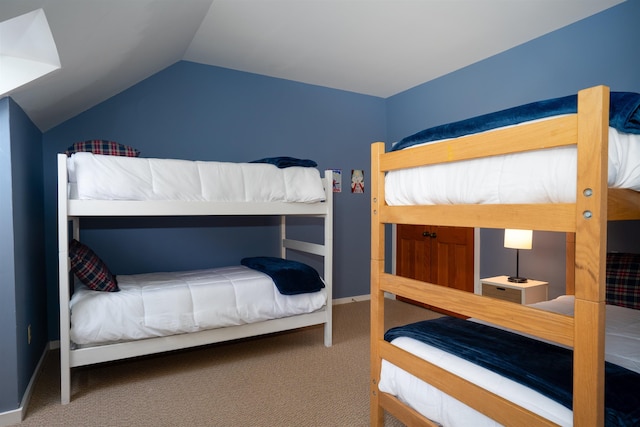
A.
x: 337, y: 180
x: 357, y: 181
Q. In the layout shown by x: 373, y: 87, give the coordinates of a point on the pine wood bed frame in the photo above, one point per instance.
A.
x: 71, y: 211
x: 585, y: 223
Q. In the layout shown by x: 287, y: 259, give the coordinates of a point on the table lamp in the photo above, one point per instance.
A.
x: 517, y: 239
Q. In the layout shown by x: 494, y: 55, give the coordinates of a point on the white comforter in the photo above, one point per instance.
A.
x: 101, y: 177
x: 622, y: 348
x: 534, y: 177
x: 159, y: 304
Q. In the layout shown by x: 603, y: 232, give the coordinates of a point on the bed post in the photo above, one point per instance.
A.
x: 63, y: 280
x: 590, y: 257
x: 283, y: 236
x: 328, y: 256
x: 325, y: 250
x: 377, y: 268
x: 570, y: 263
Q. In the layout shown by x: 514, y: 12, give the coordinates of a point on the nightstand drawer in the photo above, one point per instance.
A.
x: 506, y: 294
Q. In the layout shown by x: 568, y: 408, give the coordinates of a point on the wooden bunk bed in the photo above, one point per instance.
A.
x: 584, y: 221
x: 71, y: 210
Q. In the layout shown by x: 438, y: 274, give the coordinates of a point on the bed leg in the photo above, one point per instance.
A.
x: 65, y: 385
x: 328, y: 335
x: 328, y: 326
x: 377, y: 413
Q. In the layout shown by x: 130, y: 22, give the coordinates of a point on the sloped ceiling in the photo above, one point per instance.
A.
x: 374, y: 47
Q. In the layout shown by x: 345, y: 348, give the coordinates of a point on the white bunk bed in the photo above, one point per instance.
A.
x: 71, y: 209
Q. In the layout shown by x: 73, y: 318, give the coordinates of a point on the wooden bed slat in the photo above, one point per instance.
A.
x: 556, y: 132
x: 558, y: 217
x: 623, y: 204
x: 551, y: 326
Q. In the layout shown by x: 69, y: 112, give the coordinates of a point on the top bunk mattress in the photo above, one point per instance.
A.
x: 543, y: 176
x: 102, y: 177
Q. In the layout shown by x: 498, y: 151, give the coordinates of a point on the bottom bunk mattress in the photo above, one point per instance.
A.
x: 169, y: 303
x: 622, y: 353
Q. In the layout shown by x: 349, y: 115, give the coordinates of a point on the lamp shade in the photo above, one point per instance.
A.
x: 518, y: 239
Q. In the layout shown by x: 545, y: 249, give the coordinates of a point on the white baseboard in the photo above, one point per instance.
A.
x: 11, y: 417
x: 15, y: 416
x: 356, y: 298
x: 359, y: 298
x: 389, y: 295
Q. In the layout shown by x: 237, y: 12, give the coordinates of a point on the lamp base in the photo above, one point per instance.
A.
x: 514, y: 279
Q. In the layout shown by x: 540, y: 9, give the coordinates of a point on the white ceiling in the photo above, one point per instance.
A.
x: 374, y: 47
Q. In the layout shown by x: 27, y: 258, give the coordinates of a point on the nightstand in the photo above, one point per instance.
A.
x: 522, y: 293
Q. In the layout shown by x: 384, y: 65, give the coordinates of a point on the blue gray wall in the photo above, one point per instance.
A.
x: 597, y: 50
x: 23, y: 320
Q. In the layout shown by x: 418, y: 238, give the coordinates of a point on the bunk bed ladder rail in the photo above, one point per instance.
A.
x: 325, y: 250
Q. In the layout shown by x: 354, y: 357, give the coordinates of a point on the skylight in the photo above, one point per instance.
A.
x: 27, y: 50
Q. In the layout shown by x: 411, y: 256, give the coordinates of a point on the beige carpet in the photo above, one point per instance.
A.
x: 287, y: 379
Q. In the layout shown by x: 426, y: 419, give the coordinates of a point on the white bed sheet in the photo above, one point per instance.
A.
x: 160, y: 304
x: 622, y: 339
x: 101, y: 177
x: 622, y: 348
x: 544, y: 176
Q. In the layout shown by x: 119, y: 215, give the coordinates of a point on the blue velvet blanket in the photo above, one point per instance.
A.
x: 290, y: 277
x: 543, y: 367
x: 624, y: 115
x: 287, y: 162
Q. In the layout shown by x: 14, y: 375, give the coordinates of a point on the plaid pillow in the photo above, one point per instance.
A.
x: 623, y: 280
x: 90, y: 269
x: 100, y: 146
